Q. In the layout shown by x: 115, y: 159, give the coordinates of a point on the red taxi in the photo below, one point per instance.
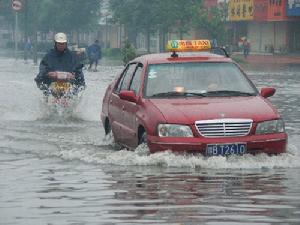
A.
x: 191, y: 100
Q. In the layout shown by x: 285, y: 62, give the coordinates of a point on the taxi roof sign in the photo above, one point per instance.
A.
x: 188, y: 45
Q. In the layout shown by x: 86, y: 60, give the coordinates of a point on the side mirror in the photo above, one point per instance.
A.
x: 128, y: 96
x: 267, y: 92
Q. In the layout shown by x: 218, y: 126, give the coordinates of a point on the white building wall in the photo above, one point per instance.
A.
x: 263, y: 35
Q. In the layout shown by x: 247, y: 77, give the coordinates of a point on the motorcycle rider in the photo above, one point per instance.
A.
x: 60, y: 58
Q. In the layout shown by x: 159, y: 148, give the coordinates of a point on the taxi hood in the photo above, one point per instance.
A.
x: 189, y: 110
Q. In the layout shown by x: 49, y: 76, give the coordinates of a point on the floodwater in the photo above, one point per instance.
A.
x: 62, y: 170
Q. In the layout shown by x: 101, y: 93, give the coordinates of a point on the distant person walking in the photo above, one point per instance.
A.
x: 94, y: 54
x: 246, y: 48
x: 27, y: 49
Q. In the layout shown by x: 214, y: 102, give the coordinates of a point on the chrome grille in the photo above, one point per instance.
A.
x: 224, y: 127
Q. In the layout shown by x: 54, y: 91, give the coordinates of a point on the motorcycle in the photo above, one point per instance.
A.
x: 62, y: 96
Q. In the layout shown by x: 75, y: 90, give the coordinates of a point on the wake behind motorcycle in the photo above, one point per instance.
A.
x: 62, y: 95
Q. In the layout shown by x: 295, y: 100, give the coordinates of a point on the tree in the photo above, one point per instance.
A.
x: 69, y: 15
x: 121, y: 12
x: 6, y: 11
x: 176, y: 16
x: 213, y: 22
x: 156, y: 15
x: 128, y: 52
x: 55, y: 15
x: 179, y: 14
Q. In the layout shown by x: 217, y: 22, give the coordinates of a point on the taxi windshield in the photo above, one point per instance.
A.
x: 197, y: 79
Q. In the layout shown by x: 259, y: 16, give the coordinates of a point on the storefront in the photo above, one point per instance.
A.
x: 293, y: 13
x: 272, y: 26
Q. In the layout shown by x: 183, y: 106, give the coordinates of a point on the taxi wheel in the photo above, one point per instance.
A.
x: 110, y: 135
x: 108, y: 131
x: 143, y: 138
x: 107, y: 127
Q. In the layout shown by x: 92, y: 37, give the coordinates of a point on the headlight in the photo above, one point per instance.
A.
x: 269, y: 127
x: 174, y: 130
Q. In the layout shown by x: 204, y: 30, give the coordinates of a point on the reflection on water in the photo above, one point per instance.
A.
x: 60, y: 192
x: 207, y: 196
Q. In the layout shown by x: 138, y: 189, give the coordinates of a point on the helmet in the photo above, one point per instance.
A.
x: 60, y: 38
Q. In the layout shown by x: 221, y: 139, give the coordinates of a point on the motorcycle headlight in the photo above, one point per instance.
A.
x: 269, y: 127
x: 174, y: 130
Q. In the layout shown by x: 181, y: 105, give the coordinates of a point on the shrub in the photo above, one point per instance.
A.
x: 128, y: 52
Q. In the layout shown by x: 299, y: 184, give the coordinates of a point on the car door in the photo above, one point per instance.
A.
x: 116, y: 105
x: 130, y: 109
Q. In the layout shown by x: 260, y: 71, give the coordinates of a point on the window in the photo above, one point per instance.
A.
x: 196, y: 77
x: 136, y: 80
x: 126, y: 76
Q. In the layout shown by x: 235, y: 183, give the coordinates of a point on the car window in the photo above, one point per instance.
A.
x: 136, y: 80
x: 196, y: 77
x: 126, y: 76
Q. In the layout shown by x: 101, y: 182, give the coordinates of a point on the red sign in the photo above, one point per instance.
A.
x: 277, y: 10
x: 16, y: 5
x: 270, y: 10
x: 261, y: 10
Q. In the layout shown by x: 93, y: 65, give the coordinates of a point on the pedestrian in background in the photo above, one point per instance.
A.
x: 246, y: 48
x: 27, y: 49
x: 94, y: 54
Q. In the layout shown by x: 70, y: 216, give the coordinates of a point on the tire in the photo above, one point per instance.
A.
x: 110, y: 136
x: 107, y: 127
x: 143, y: 138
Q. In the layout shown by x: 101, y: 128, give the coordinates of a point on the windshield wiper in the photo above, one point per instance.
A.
x: 229, y: 93
x: 194, y: 94
x: 177, y: 94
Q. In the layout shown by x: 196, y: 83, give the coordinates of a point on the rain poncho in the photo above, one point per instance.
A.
x: 65, y: 61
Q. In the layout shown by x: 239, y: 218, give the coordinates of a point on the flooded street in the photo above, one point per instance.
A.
x: 63, y: 170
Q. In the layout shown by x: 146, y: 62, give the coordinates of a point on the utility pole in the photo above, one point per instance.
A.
x: 16, y: 35
x: 16, y: 6
x: 35, y: 24
x: 26, y: 27
x: 106, y: 32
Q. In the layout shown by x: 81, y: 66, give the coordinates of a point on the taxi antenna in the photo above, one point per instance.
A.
x: 220, y: 51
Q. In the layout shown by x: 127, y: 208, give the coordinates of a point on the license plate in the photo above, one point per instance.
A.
x: 61, y: 86
x: 226, y: 149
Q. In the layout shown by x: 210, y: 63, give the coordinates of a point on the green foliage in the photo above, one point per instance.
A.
x: 213, y: 22
x: 69, y: 15
x: 156, y: 14
x: 169, y: 15
x: 54, y: 15
x: 128, y: 52
x: 178, y: 15
x: 6, y: 11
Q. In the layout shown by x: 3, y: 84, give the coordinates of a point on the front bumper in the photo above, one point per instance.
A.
x: 268, y: 143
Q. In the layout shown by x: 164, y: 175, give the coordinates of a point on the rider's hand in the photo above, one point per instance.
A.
x: 42, y: 86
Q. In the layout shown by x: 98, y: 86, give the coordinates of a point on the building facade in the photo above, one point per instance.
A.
x: 271, y: 25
